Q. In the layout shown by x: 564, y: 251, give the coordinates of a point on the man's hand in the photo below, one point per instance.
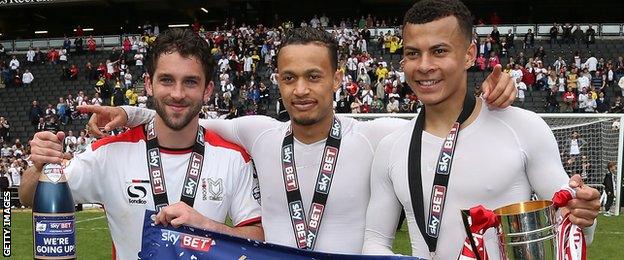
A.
x: 499, y: 90
x: 46, y: 147
x: 584, y: 208
x: 179, y: 213
x: 103, y: 116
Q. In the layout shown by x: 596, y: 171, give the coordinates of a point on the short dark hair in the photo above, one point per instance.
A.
x: 186, y: 43
x: 306, y: 35
x: 426, y: 11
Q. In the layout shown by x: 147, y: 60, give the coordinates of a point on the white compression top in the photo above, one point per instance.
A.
x: 342, y: 226
x: 499, y: 159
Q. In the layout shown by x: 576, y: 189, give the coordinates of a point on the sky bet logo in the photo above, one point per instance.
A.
x: 436, y: 208
x: 289, y: 170
x: 182, y: 240
x: 444, y: 161
x: 296, y: 211
x: 327, y: 169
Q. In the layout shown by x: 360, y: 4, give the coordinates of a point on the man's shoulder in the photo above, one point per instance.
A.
x: 134, y: 135
x: 216, y: 140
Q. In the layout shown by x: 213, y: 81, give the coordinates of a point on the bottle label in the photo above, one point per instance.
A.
x: 54, y: 235
x: 53, y: 172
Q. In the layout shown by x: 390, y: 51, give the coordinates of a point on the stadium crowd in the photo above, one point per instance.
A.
x: 246, y: 78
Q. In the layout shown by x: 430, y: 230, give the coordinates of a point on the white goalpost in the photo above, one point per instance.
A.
x: 599, y: 137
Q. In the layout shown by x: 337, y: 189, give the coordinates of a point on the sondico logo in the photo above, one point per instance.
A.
x: 136, y: 194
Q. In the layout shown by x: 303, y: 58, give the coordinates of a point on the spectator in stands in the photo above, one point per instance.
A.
x: 131, y: 96
x: 521, y: 88
x: 50, y: 111
x: 602, y: 104
x: 495, y: 34
x: 509, y: 38
x: 63, y: 56
x: 27, y: 78
x: 14, y: 64
x: 598, y: 81
x: 610, y: 182
x: 2, y: 52
x: 66, y: 45
x: 90, y: 72
x: 583, y: 81
x: 552, y: 80
x: 591, y: 64
x: 566, y: 33
x: 78, y: 45
x: 552, y: 105
x: 40, y: 57
x: 579, y: 35
x: 30, y: 55
x: 561, y: 82
x: 483, y: 48
x: 17, y: 78
x: 529, y: 40
x: 138, y: 62
x: 617, y: 106
x: 540, y: 53
x: 577, y: 59
x: 480, y: 62
x: 127, y: 79
x: 393, y: 105
x: 35, y: 113
x: 96, y: 100
x: 64, y: 73
x: 73, y: 72
x: 62, y: 111
x: 569, y: 100
x: 493, y: 60
x: 559, y: 63
x: 118, y: 97
x: 70, y: 139
x: 41, y: 125
x: 5, y: 130
x: 91, y: 45
x: 586, y: 101
x: 356, y: 105
x: 51, y: 125
x: 554, y: 33
x: 590, y: 36
x: 53, y: 56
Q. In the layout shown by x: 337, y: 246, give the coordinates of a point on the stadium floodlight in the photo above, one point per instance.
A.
x: 204, y: 9
x: 86, y: 30
x: 179, y: 25
x: 41, y: 32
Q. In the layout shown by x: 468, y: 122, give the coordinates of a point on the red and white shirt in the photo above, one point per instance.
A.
x: 113, y: 171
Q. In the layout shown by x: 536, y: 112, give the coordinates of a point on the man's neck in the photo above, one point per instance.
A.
x: 440, y: 117
x: 176, y: 139
x: 309, y: 134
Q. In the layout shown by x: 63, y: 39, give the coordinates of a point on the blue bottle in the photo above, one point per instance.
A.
x: 53, y: 216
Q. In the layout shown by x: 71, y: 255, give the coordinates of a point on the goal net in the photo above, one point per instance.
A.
x: 587, y: 143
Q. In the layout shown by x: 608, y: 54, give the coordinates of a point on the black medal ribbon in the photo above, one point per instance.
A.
x: 156, y: 173
x: 431, y: 229
x: 306, y: 232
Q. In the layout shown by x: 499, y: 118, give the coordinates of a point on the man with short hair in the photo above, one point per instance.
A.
x: 27, y: 78
x: 437, y: 53
x: 180, y: 68
x: 316, y: 173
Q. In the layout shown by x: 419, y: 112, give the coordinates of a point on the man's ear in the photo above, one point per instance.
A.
x: 147, y: 80
x: 208, y: 91
x: 471, y: 55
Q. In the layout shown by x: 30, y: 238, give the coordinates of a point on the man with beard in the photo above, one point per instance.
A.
x: 296, y: 160
x: 408, y: 173
x: 180, y: 66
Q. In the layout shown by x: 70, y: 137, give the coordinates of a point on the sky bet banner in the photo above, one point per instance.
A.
x: 188, y: 243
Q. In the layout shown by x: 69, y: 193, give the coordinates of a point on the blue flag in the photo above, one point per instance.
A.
x: 160, y: 242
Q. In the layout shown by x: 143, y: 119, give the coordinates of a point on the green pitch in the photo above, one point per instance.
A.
x: 94, y: 240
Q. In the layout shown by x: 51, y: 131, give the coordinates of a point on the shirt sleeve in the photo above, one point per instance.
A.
x: 85, y: 177
x: 245, y: 207
x: 543, y: 164
x: 381, y: 227
x: 138, y: 116
x: 377, y: 129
